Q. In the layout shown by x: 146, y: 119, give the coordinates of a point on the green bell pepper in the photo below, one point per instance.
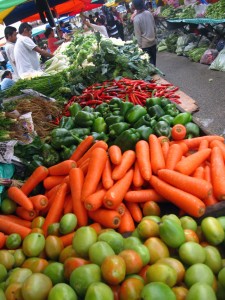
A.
x: 62, y: 136
x: 193, y: 130
x: 144, y: 120
x: 167, y: 118
x: 164, y: 102
x: 99, y: 125
x: 171, y: 109
x: 125, y: 107
x: 127, y: 139
x: 144, y: 132
x: 153, y: 101
x: 111, y: 119
x: 153, y: 122
x: 50, y: 155
x: 182, y: 118
x: 100, y: 136
x: 88, y: 109
x: 135, y: 113
x: 66, y: 122
x: 115, y: 102
x: 103, y: 109
x: 36, y: 161
x: 67, y: 152
x: 156, y: 111
x: 84, y: 119
x: 116, y: 112
x: 74, y: 108
x: 80, y: 132
x: 162, y: 128
x: 117, y: 128
x: 96, y: 114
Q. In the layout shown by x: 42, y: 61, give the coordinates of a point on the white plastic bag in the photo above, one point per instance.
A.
x: 219, y: 62
x: 200, y: 10
x: 208, y: 56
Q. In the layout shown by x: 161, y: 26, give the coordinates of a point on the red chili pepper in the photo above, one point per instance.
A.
x: 91, y: 102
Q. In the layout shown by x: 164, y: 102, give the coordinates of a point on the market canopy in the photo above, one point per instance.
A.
x: 25, y: 9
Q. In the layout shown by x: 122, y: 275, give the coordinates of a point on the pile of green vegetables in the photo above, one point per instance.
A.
x: 7, y: 127
x: 52, y: 86
x: 168, y: 12
x: 216, y: 10
x: 188, y: 12
x: 95, y: 59
x: 196, y: 53
x: 171, y: 42
x: 117, y: 122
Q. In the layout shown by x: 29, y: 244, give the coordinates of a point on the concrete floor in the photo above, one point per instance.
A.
x: 205, y: 86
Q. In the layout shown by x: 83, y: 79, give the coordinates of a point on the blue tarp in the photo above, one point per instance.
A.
x: 197, y: 21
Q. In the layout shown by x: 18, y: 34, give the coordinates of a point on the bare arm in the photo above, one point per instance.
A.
x: 42, y: 52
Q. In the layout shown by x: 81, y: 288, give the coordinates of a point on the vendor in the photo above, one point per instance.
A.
x: 6, y: 80
x: 26, y: 51
x: 53, y: 42
x: 100, y: 27
x: 64, y: 29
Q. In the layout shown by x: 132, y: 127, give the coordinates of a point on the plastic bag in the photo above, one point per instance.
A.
x: 200, y: 10
x: 208, y: 56
x: 219, y: 62
x: 189, y: 47
x: 184, y: 41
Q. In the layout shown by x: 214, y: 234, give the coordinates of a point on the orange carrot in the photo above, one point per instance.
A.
x: 98, y: 144
x: 82, y: 148
x: 218, y: 173
x: 52, y: 191
x: 219, y: 144
x: 94, y: 201
x: 95, y: 168
x: 115, y: 154
x: 62, y: 168
x: 195, y: 142
x: 143, y: 158
x: 204, y: 144
x: 39, y: 174
x: 18, y: 196
x: 165, y: 144
x: 121, y: 208
x: 55, y: 212
x: 106, y: 217
x: 107, y: 180
x: 189, y: 203
x: 51, y: 181
x: 126, y: 223
x: 195, y: 186
x: 199, y: 173
x: 84, y: 166
x: 76, y: 183
x: 135, y: 211
x: 128, y: 159
x: 156, y: 154
x: 114, y: 196
x: 39, y: 201
x: 96, y: 226
x: 174, y: 156
x: 68, y: 205
x: 67, y: 239
x: 138, y: 180
x: 143, y: 196
x: 210, y: 200
x: 28, y: 215
x: 188, y: 165
x: 16, y: 220
x: 8, y: 227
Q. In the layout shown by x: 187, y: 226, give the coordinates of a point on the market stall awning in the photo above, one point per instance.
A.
x: 71, y: 8
x: 28, y: 8
x: 5, y: 4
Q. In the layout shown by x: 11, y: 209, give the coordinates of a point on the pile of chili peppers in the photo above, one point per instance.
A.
x: 135, y: 91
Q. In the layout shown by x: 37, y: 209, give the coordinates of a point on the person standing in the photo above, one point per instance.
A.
x: 11, y: 37
x: 53, y: 42
x: 100, y: 27
x: 119, y: 22
x: 26, y: 51
x: 144, y: 30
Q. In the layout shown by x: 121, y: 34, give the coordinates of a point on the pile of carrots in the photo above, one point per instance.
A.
x: 103, y: 186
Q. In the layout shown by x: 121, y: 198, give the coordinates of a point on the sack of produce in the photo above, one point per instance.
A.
x: 208, y: 56
x: 219, y: 62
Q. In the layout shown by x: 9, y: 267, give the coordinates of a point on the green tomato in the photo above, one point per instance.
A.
x: 62, y: 291
x: 3, y: 273
x: 55, y: 271
x: 13, y: 241
x: 8, y: 206
x: 33, y: 244
x: 67, y: 223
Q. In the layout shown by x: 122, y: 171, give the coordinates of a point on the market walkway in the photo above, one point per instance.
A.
x: 205, y: 86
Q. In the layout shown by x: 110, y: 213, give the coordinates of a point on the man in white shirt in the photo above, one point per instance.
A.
x: 26, y: 51
x: 100, y: 27
x: 11, y: 37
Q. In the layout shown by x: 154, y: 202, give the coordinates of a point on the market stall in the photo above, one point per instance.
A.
x: 117, y: 186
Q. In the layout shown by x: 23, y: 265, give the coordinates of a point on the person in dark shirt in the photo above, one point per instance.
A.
x: 91, y: 19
